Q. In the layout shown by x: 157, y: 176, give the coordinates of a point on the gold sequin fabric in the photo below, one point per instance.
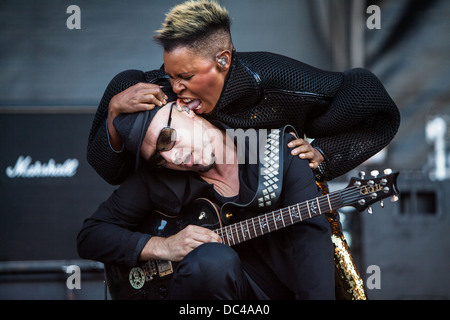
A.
x: 349, y: 284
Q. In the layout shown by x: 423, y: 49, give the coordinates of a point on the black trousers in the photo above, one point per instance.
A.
x: 214, y: 271
x: 211, y: 271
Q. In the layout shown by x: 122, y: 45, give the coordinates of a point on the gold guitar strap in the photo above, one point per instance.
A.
x: 348, y: 282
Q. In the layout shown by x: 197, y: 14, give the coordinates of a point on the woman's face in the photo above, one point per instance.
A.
x: 197, y: 80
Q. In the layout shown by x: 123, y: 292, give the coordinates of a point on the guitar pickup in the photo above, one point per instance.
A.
x: 164, y: 267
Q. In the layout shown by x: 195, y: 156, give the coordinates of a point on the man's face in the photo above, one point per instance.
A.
x: 193, y: 149
x: 197, y: 80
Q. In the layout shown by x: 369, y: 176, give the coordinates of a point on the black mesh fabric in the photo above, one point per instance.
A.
x: 361, y: 120
x: 350, y: 115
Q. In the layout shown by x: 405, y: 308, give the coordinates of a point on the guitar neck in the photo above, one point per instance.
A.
x: 262, y: 224
x: 360, y: 193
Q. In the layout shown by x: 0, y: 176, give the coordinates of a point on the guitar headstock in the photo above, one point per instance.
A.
x: 361, y: 193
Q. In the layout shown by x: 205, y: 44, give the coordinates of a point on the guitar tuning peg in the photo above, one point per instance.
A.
x: 362, y: 174
x: 387, y: 171
x: 369, y: 210
x: 394, y: 198
x: 374, y: 173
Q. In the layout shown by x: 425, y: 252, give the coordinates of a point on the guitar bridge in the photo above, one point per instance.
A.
x: 164, y: 267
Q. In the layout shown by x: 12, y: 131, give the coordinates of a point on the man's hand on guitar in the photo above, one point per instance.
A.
x: 176, y: 247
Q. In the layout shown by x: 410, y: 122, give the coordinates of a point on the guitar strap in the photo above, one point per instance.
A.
x: 270, y: 178
x: 348, y: 282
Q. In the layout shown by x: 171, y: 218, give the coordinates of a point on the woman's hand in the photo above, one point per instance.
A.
x: 305, y: 151
x: 140, y: 97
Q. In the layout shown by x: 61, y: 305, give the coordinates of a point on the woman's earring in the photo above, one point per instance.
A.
x: 222, y: 61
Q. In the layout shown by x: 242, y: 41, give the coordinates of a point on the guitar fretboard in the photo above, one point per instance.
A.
x: 262, y: 224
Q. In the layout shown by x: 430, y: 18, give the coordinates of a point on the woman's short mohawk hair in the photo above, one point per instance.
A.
x: 194, y: 22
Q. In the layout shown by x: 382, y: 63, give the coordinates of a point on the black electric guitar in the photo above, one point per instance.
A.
x: 151, y: 279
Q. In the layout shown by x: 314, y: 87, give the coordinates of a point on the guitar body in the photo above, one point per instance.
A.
x: 150, y: 280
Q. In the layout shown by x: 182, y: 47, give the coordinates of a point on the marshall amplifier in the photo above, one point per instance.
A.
x: 47, y: 188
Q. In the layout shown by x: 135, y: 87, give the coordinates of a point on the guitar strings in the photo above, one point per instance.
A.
x: 290, y: 212
x: 297, y: 212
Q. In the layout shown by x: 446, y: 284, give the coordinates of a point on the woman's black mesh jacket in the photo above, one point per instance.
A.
x: 350, y: 115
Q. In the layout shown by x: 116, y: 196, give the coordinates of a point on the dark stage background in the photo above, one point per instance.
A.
x: 52, y: 78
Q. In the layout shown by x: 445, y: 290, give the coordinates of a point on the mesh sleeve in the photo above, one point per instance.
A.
x: 112, y: 166
x: 362, y: 119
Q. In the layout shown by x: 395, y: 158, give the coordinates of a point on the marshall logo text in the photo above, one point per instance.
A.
x: 24, y: 168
